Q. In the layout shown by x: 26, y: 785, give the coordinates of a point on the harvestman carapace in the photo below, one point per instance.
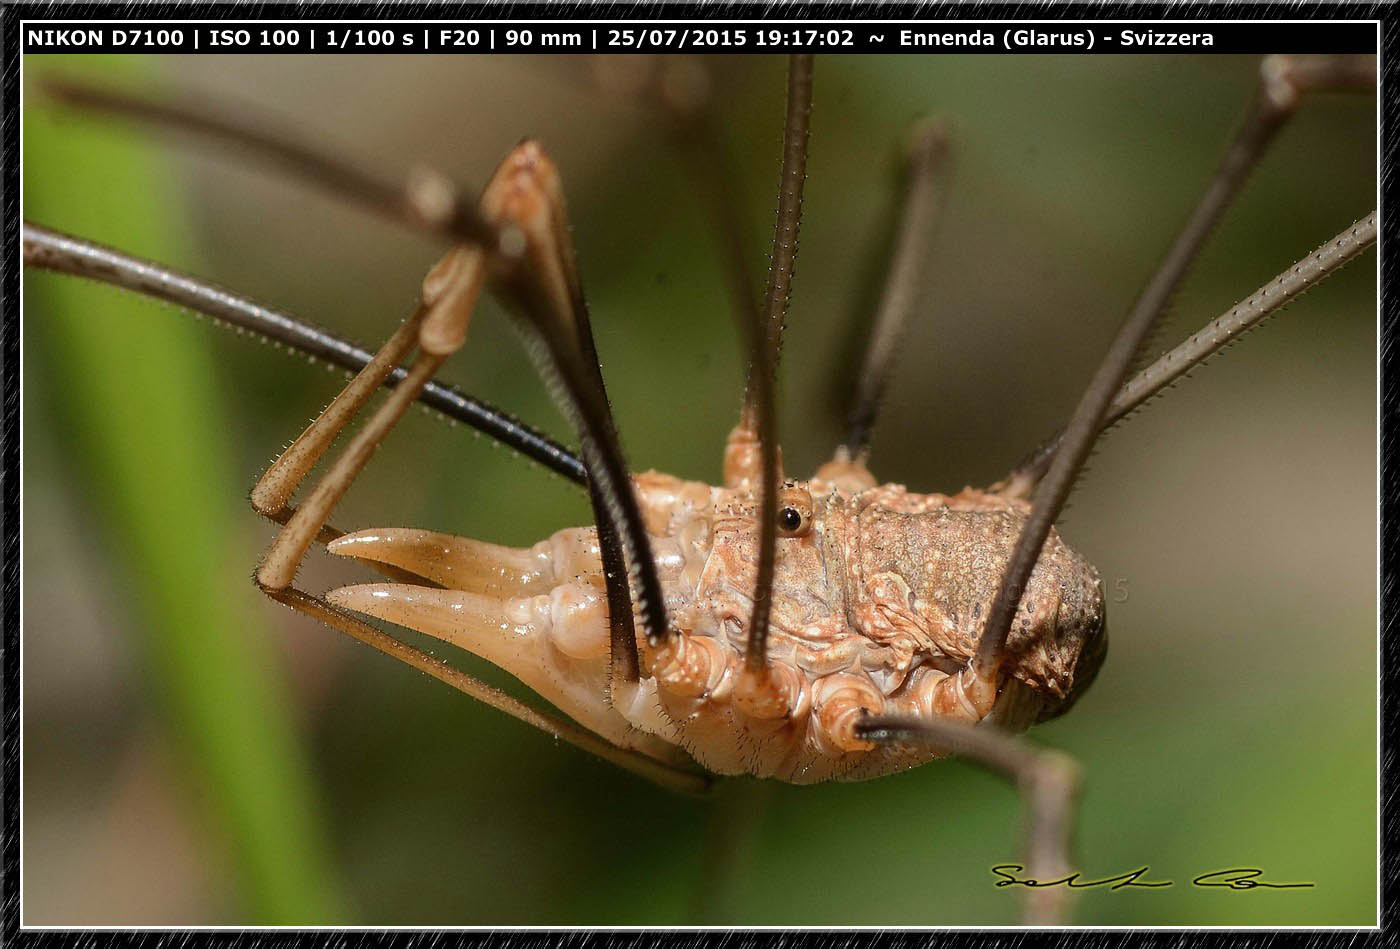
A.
x: 897, y: 620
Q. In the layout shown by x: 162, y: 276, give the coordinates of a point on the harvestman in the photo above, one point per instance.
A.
x: 803, y: 630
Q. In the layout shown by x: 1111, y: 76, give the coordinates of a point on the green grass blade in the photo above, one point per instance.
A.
x: 138, y: 411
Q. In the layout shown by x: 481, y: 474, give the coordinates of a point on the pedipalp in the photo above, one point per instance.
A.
x: 427, y: 201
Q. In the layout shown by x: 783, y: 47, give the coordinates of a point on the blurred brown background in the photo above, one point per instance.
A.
x: 1233, y: 724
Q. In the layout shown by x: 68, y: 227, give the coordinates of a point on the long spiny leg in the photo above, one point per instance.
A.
x: 542, y: 281
x: 679, y: 88
x: 1243, y: 316
x: 923, y: 196
x: 273, y: 492
x: 51, y: 250
x: 554, y: 238
x: 1206, y: 342
x: 746, y: 461
x: 751, y: 457
x: 760, y: 414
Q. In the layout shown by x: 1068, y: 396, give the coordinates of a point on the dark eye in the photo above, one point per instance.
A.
x: 794, y: 510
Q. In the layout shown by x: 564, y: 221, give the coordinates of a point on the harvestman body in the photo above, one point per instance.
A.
x: 801, y: 630
x: 878, y: 598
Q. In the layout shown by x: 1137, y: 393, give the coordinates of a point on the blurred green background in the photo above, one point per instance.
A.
x: 194, y: 754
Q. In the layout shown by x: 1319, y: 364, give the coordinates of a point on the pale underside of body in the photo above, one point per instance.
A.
x: 878, y: 600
